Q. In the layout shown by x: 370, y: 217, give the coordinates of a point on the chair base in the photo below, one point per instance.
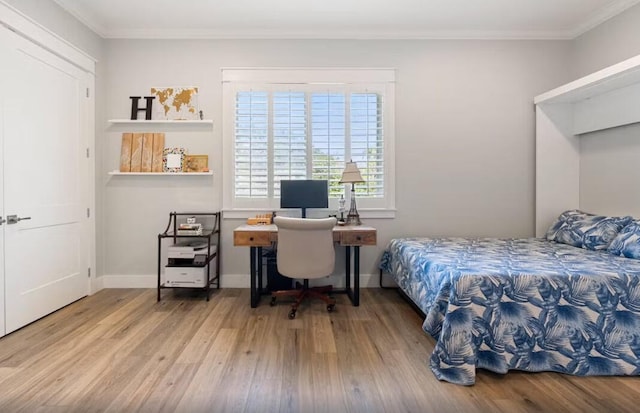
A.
x: 304, y: 291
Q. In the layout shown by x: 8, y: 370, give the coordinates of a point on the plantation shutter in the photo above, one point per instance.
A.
x: 307, y: 123
x: 251, y: 145
x: 328, y: 127
x: 367, y: 142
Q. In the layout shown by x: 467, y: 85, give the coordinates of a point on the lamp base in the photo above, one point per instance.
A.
x: 353, y: 218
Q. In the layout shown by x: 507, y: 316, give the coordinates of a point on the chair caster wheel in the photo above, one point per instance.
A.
x: 331, y: 308
x: 292, y: 314
x: 273, y: 301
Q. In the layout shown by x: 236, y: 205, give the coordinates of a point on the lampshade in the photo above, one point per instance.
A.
x: 351, y: 174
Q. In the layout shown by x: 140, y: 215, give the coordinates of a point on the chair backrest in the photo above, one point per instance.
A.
x: 305, y: 247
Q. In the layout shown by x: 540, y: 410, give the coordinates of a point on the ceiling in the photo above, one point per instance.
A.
x: 344, y: 19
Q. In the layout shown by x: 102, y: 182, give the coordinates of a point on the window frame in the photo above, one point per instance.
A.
x: 381, y: 81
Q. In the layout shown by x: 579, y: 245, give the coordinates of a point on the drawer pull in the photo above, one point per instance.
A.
x: 250, y: 238
x: 359, y: 238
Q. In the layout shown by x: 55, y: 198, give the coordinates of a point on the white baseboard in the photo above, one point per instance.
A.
x: 228, y: 281
x: 97, y: 284
x: 130, y: 281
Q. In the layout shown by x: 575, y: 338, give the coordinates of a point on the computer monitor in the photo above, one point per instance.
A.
x: 303, y: 194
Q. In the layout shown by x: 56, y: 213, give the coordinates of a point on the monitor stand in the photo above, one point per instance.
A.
x: 304, y: 212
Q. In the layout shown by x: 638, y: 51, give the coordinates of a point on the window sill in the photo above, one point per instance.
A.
x: 244, y: 213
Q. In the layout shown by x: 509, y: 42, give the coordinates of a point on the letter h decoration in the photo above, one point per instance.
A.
x: 135, y: 109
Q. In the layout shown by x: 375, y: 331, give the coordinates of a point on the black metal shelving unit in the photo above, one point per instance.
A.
x: 210, y: 232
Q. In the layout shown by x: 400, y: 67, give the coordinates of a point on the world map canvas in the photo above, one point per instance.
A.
x: 175, y: 103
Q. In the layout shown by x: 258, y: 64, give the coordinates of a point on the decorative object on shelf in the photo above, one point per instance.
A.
x: 261, y: 219
x: 125, y: 152
x: 351, y: 175
x: 135, y: 108
x: 157, y: 159
x: 173, y: 159
x: 176, y: 103
x: 190, y: 229
x: 141, y: 152
x: 341, y: 210
x: 147, y: 152
x: 196, y: 163
x: 201, y: 115
x: 136, y: 152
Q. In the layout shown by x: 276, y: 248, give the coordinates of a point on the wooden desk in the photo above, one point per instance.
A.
x: 258, y: 236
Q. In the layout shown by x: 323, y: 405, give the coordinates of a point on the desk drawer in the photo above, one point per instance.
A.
x: 358, y: 238
x: 252, y: 239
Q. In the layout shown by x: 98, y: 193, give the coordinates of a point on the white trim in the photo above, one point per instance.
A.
x: 92, y: 24
x: 30, y: 29
x: 214, y: 34
x: 227, y: 281
x: 308, y: 75
x: 91, y: 230
x: 97, y: 284
x: 244, y: 213
x: 594, y: 20
x: 601, y: 16
x: 129, y: 281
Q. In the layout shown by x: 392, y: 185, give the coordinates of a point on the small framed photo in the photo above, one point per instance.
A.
x: 196, y: 163
x: 173, y: 159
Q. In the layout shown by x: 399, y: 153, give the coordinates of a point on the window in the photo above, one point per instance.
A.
x: 305, y: 124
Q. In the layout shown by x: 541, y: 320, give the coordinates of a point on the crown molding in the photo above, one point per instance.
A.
x: 337, y: 35
x: 84, y: 18
x: 571, y: 33
x: 602, y: 16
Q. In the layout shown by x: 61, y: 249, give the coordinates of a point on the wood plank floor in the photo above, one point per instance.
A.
x: 120, y: 351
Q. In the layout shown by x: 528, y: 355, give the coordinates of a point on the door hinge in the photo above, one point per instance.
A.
x: 87, y: 92
x: 88, y: 213
x: 89, y: 272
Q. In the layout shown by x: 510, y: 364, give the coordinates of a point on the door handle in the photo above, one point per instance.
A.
x: 14, y: 219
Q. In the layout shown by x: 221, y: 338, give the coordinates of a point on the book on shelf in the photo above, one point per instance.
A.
x: 190, y: 231
x: 190, y: 226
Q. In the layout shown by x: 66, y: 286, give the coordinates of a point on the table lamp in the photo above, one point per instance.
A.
x: 351, y: 175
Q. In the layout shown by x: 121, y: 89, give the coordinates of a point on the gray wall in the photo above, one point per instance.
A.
x: 464, y: 130
x: 609, y: 174
x: 464, y: 135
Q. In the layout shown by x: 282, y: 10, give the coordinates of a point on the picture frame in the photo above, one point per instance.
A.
x: 173, y: 160
x: 196, y: 163
x: 175, y: 103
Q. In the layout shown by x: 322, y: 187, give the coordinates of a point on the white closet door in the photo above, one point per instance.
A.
x: 3, y: 75
x: 46, y: 253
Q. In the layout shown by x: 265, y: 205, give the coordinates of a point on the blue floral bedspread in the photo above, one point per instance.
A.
x: 521, y: 304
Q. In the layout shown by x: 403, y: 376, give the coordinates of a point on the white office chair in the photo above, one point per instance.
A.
x: 305, y: 251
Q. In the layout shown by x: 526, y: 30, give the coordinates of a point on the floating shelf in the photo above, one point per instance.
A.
x: 161, y: 122
x: 160, y: 173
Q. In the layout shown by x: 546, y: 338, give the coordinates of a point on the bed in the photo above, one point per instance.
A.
x: 521, y: 304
